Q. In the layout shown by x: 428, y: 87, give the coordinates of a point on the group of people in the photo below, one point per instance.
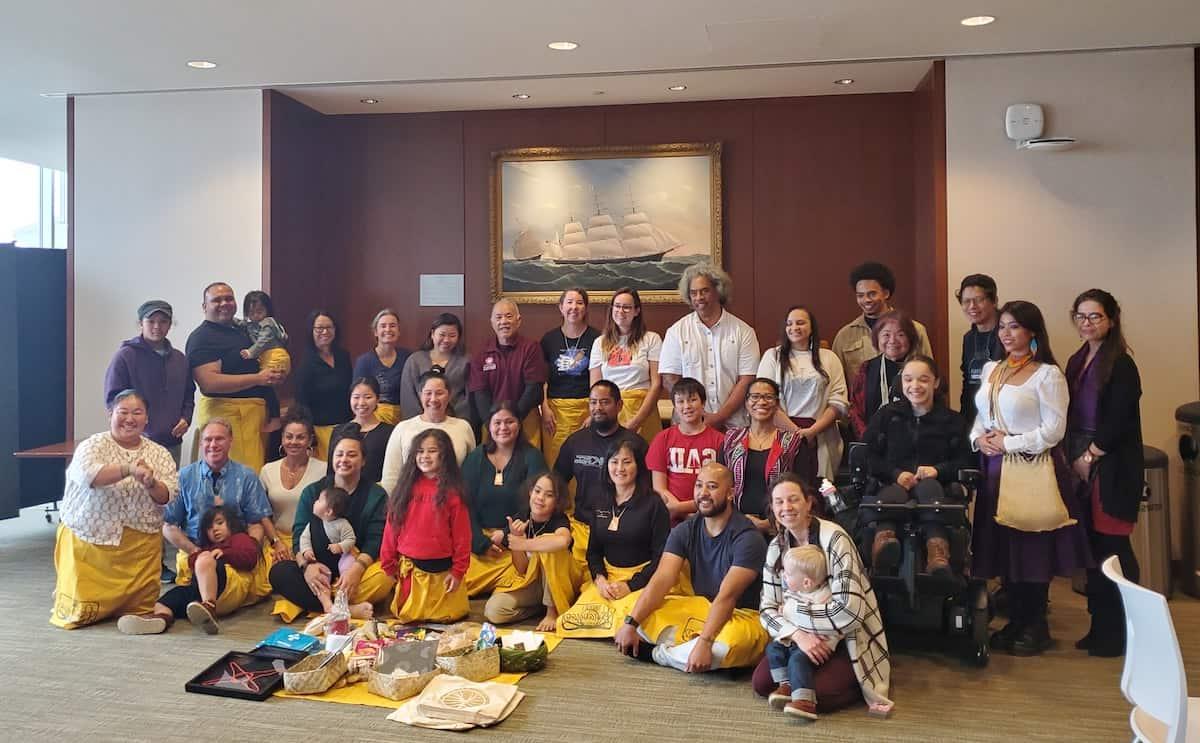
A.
x: 540, y: 475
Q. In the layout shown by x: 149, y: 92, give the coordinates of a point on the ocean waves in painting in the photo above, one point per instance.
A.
x: 541, y: 276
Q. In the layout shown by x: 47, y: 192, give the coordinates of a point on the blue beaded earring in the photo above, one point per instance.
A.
x: 1033, y: 346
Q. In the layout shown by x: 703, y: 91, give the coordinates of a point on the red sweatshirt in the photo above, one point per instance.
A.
x: 429, y: 532
x: 240, y: 552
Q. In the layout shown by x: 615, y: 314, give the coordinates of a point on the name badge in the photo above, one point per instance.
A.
x: 489, y: 363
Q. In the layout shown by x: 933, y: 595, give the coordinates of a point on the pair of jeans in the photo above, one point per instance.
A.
x: 789, y: 663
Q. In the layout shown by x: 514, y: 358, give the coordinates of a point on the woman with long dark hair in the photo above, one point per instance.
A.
x: 628, y: 532
x: 1104, y: 445
x: 1026, y: 529
x: 323, y: 378
x: 812, y: 392
x: 493, y: 475
x: 427, y: 541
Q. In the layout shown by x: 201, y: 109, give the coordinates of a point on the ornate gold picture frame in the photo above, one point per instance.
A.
x: 602, y: 218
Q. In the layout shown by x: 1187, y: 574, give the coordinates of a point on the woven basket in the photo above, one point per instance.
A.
x: 523, y: 661
x: 306, y: 678
x: 473, y: 665
x: 397, y: 688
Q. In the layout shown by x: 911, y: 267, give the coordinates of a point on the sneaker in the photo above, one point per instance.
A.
x: 202, y: 615
x: 142, y: 624
x: 801, y: 709
x: 885, y: 552
x: 781, y: 696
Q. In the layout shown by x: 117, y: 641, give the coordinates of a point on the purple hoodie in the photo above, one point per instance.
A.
x: 165, y: 382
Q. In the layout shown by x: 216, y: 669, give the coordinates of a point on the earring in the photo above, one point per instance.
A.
x: 812, y: 343
x: 1033, y: 346
x: 281, y: 452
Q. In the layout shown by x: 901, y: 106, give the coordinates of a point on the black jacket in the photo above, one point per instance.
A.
x: 1121, y: 470
x: 898, y: 441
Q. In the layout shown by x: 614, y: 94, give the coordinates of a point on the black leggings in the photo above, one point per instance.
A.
x: 1104, y: 600
x: 925, y: 492
x: 287, y: 580
x: 178, y: 598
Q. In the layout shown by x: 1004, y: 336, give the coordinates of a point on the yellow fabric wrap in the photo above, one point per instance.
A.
x: 580, y: 533
x: 247, y: 415
x: 631, y: 403
x: 684, y: 615
x: 486, y: 571
x: 242, y: 588
x: 388, y: 412
x: 374, y: 587
x: 97, y: 581
x: 558, y: 569
x: 275, y: 359
x: 595, y: 616
x: 321, y: 445
x: 427, y: 600
x: 570, y: 415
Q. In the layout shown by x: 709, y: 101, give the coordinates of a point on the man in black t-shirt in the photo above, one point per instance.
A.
x: 718, y: 627
x: 581, y: 459
x: 231, y: 387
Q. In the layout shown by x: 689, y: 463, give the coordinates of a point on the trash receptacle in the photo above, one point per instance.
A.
x: 1187, y: 418
x: 1151, y: 537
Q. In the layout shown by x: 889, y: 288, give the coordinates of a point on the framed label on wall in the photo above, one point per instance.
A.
x: 603, y: 218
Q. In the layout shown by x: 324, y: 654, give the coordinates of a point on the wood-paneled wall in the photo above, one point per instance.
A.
x: 812, y: 186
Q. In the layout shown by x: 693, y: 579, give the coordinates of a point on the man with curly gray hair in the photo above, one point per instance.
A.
x: 711, y: 345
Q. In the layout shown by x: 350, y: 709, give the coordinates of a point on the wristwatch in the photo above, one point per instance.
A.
x: 631, y: 621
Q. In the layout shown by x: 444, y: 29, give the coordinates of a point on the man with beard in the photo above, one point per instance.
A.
x: 718, y: 627
x: 581, y: 459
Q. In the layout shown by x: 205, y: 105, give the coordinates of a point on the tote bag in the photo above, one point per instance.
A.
x: 1029, y: 498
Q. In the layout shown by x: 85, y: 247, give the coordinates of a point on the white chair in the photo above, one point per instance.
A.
x: 1153, y: 681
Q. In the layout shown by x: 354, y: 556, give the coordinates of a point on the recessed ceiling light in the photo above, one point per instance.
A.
x: 201, y: 64
x: 563, y: 46
x: 677, y: 88
x: 844, y: 81
x: 369, y: 101
x: 978, y: 20
x: 521, y: 96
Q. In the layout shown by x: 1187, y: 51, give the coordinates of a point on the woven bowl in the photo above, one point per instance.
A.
x: 399, y: 688
x: 306, y: 678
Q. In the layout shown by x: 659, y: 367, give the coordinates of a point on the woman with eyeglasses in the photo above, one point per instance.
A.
x: 322, y: 379
x: 1104, y: 445
x: 627, y: 355
x: 758, y: 453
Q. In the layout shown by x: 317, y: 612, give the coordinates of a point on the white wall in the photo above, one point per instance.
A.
x: 168, y: 198
x: 1118, y: 213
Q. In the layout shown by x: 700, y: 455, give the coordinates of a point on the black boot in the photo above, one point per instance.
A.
x: 1035, y: 637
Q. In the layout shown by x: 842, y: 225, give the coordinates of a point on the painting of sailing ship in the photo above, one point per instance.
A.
x: 603, y: 218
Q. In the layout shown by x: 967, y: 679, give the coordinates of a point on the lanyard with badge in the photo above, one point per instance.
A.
x: 979, y: 357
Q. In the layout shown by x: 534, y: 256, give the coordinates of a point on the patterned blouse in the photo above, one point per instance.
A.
x: 99, y: 515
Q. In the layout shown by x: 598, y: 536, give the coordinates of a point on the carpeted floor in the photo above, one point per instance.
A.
x: 98, y: 685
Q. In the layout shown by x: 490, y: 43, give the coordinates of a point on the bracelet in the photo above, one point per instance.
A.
x: 706, y: 639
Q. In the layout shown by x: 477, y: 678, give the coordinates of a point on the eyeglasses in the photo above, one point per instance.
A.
x: 1090, y: 318
x: 623, y: 308
x: 762, y: 397
x: 322, y: 328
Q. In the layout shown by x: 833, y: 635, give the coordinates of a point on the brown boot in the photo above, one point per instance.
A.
x: 937, y: 557
x: 885, y: 552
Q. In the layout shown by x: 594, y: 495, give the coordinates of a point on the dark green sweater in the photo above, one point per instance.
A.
x: 368, y: 522
x: 491, y: 504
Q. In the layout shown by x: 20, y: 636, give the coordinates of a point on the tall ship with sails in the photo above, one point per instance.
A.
x: 601, y: 241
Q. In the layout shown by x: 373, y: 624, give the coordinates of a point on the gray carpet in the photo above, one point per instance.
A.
x: 99, y: 685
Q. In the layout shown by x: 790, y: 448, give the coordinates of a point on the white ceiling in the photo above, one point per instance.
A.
x: 55, y: 46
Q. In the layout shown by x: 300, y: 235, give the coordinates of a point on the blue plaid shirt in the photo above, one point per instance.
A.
x: 236, y: 485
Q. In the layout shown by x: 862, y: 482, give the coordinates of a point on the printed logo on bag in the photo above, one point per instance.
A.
x: 588, y: 616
